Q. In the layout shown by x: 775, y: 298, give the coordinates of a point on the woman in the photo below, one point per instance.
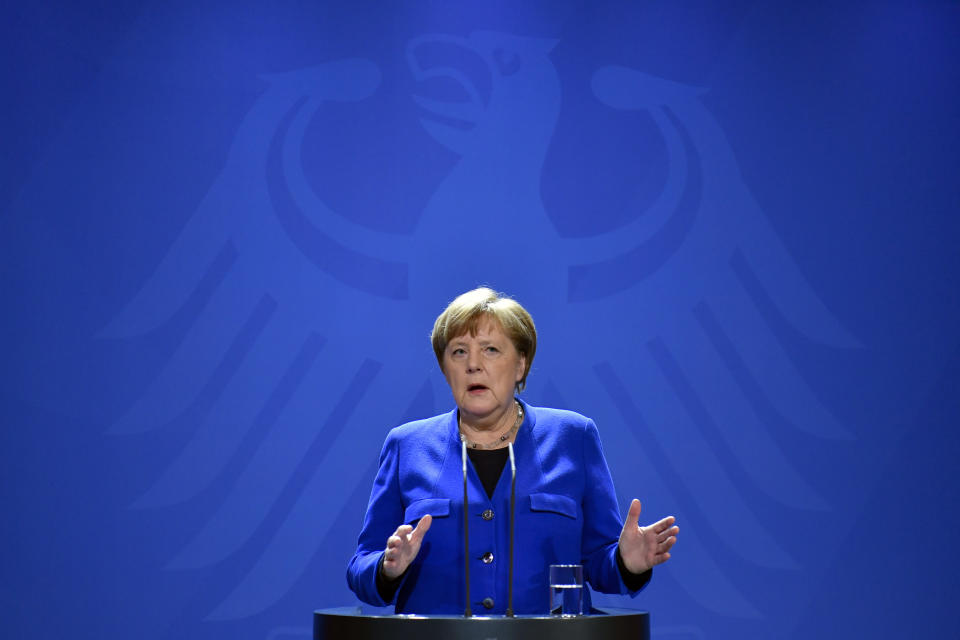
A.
x: 411, y: 549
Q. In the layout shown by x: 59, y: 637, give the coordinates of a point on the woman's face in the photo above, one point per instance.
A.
x: 483, y: 372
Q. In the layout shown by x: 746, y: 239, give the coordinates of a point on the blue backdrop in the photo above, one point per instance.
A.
x: 227, y: 228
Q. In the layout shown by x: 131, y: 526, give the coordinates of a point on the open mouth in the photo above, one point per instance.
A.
x: 476, y: 388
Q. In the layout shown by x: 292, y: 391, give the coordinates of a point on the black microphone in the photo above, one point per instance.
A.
x: 513, y: 502
x: 466, y: 529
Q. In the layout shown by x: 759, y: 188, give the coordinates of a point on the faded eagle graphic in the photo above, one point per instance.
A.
x: 653, y: 328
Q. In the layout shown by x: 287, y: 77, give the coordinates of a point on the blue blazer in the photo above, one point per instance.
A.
x: 566, y: 513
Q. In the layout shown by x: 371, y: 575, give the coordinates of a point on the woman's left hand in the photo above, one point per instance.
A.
x: 642, y: 548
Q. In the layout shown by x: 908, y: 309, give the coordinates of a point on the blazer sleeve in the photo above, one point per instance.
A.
x: 384, y: 515
x: 601, y: 519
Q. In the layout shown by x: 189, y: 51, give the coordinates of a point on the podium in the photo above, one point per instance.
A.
x: 350, y: 623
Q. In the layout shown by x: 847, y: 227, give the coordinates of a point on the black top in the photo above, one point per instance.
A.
x: 489, y: 464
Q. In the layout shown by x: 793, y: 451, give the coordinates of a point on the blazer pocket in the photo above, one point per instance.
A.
x: 553, y: 503
x: 436, y: 507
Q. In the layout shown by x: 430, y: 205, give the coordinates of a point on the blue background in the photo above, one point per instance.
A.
x: 227, y: 228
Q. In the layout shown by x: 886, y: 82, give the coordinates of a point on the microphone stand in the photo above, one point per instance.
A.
x: 466, y: 530
x: 513, y: 501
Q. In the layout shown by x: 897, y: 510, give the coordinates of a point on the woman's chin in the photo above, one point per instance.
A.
x: 479, y: 408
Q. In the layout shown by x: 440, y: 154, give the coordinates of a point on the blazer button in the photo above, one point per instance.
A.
x: 487, y: 559
x: 487, y: 515
x: 488, y: 603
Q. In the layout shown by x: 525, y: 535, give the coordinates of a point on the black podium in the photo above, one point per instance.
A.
x: 350, y: 623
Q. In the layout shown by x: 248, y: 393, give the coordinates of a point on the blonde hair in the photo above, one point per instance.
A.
x: 467, y: 310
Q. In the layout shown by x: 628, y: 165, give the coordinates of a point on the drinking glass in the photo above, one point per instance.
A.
x: 566, y: 589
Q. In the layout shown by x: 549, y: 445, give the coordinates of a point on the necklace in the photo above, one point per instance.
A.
x: 496, y: 443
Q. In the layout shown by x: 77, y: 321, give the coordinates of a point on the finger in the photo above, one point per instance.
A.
x: 633, y: 515
x: 404, y: 530
x: 394, y: 542
x: 666, y: 545
x: 422, y: 527
x: 666, y: 534
x: 391, y: 566
x: 388, y: 555
x: 662, y: 525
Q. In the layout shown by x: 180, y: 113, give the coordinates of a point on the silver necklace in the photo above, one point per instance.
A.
x: 499, y: 441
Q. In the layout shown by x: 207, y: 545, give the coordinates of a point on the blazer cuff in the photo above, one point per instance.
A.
x: 387, y: 588
x: 632, y: 581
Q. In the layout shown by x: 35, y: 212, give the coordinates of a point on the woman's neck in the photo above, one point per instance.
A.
x: 503, y: 427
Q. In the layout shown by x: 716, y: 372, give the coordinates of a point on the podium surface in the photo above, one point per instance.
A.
x: 352, y: 624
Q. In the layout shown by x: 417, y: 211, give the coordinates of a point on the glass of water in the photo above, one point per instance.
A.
x: 566, y: 589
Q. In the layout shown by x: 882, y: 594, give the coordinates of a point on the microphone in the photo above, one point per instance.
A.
x: 513, y: 503
x: 466, y: 529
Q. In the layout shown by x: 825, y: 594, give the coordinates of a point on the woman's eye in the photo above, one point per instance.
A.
x: 492, y: 350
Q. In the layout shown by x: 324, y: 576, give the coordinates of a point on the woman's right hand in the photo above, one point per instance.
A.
x: 403, y: 546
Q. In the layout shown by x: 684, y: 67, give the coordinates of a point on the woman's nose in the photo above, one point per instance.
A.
x: 473, y: 361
